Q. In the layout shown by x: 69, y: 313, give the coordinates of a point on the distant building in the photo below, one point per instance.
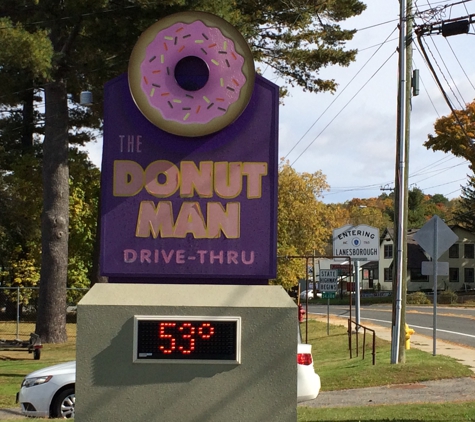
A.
x: 460, y: 256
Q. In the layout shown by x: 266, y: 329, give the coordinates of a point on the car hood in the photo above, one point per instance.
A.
x: 62, y: 368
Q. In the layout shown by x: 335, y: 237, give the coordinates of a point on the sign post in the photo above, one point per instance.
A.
x: 188, y: 239
x: 361, y: 243
x: 328, y: 283
x: 435, y: 237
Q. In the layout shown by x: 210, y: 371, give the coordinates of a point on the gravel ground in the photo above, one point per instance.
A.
x: 451, y: 390
x: 9, y: 414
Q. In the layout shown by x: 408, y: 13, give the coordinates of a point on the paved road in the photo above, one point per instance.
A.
x: 453, y: 324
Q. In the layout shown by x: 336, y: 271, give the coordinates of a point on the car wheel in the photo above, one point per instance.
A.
x: 63, y: 405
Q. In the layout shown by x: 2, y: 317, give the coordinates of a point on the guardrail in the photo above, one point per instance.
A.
x: 350, y: 336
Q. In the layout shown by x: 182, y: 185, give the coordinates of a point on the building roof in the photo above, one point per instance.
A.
x: 415, y: 254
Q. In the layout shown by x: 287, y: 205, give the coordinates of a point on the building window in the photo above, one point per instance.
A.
x: 468, y: 275
x: 370, y: 274
x: 454, y: 251
x: 417, y: 276
x: 388, y: 251
x: 468, y: 250
x: 388, y: 275
x: 454, y: 275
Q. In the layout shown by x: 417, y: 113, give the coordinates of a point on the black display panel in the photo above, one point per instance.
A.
x: 186, y: 339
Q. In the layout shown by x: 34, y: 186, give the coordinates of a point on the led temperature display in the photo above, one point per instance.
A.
x: 185, y: 339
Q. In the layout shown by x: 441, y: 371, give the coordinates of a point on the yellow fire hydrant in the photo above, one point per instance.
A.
x: 409, y: 333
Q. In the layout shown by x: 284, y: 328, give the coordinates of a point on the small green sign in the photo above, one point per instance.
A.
x: 328, y: 295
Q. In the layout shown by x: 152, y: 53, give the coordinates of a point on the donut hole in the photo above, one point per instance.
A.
x: 191, y: 73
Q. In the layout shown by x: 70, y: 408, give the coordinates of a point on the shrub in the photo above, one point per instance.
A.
x: 447, y: 297
x: 417, y: 298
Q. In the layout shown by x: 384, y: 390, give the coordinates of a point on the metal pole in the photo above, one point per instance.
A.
x: 328, y: 316
x: 357, y: 293
x: 18, y: 313
x: 314, y: 275
x: 306, y: 301
x: 401, y: 154
x: 350, y: 278
x: 434, y: 263
x: 409, y: 75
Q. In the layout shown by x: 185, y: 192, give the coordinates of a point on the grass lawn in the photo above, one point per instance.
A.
x: 332, y: 362
x: 15, y: 365
x: 337, y: 371
x: 447, y: 412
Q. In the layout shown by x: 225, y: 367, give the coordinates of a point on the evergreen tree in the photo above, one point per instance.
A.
x: 464, y: 214
x: 57, y: 48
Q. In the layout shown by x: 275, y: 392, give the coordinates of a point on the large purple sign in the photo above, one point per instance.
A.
x: 199, y: 208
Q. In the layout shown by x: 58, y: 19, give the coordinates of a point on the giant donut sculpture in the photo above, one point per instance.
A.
x: 191, y: 74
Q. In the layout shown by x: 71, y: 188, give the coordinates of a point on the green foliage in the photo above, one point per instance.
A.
x: 20, y: 237
x: 379, y: 212
x: 19, y: 226
x: 25, y: 56
x: 297, y: 39
x: 83, y: 212
x: 416, y: 212
x: 439, y: 199
x: 447, y: 297
x: 464, y: 215
x: 417, y: 298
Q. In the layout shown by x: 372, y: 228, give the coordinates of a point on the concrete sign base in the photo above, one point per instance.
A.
x: 112, y: 384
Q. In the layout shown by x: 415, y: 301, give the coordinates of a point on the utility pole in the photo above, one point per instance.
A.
x: 400, y: 197
x: 407, y: 137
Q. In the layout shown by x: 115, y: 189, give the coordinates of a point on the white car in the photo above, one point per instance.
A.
x: 310, y: 294
x: 306, y: 293
x: 308, y: 381
x: 49, y: 392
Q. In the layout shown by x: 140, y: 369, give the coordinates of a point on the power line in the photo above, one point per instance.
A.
x: 419, y: 36
x: 460, y: 64
x: 338, y: 96
x: 343, y: 108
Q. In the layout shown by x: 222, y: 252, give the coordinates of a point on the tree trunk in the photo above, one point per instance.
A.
x: 51, y: 318
x: 27, y: 120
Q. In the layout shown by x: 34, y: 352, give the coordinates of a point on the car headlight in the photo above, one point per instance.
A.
x: 30, y: 382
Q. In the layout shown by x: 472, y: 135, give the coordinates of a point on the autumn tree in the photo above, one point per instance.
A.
x: 302, y: 221
x: 369, y: 211
x: 81, y: 44
x: 455, y: 134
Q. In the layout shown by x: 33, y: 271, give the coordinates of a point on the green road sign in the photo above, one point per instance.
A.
x: 328, y: 295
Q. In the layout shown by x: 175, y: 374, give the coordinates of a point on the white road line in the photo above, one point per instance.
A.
x: 412, y: 326
x: 444, y: 331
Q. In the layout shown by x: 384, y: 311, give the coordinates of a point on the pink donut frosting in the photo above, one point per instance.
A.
x: 181, y: 40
